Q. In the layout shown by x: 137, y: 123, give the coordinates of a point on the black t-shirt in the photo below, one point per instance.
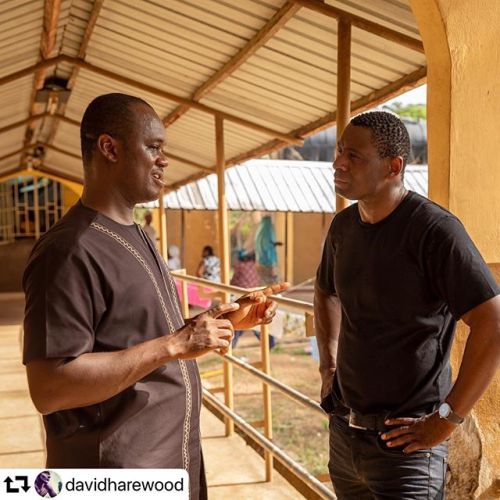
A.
x: 402, y: 284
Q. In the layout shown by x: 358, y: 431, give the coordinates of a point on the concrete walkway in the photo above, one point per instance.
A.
x: 21, y: 438
x: 234, y: 470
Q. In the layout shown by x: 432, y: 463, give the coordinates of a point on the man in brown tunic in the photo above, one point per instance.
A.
x: 110, y: 360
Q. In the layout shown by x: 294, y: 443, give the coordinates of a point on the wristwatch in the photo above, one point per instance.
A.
x: 445, y: 411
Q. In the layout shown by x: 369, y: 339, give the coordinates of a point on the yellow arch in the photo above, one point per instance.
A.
x: 73, y: 186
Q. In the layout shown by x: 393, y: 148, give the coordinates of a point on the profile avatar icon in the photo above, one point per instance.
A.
x: 48, y: 484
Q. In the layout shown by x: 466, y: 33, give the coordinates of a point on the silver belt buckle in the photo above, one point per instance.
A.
x: 353, y: 424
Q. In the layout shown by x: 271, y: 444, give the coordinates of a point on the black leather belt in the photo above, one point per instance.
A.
x: 356, y: 420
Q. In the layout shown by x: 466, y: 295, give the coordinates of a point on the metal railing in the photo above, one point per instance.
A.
x: 271, y: 451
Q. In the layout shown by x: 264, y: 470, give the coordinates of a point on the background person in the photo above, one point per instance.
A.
x: 148, y: 228
x: 209, y: 266
x: 245, y: 276
x: 265, y: 251
x: 174, y: 261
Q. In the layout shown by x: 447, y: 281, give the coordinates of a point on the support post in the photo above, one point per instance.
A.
x: 343, y: 87
x: 266, y: 398
x: 163, y: 228
x: 289, y: 247
x: 224, y: 255
x: 46, y: 205
x: 36, y: 207
x: 184, y: 295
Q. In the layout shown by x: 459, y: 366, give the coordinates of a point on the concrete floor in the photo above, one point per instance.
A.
x: 234, y: 470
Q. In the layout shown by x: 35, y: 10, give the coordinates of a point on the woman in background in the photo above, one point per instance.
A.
x: 209, y: 267
x: 265, y: 252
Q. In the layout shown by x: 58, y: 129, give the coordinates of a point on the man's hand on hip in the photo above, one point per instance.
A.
x: 418, y: 433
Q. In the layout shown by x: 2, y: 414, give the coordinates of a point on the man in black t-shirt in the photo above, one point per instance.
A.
x: 397, y: 273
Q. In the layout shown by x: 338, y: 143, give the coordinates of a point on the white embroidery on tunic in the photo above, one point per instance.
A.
x: 175, y: 300
x: 182, y: 363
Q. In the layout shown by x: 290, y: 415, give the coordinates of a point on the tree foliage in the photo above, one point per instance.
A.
x: 414, y: 111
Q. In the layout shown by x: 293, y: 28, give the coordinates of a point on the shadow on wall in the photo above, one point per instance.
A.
x: 13, y: 258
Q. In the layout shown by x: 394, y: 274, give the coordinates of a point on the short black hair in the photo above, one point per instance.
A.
x: 208, y: 249
x: 107, y: 114
x: 389, y: 134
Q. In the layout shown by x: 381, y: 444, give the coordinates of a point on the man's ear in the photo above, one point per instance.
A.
x: 107, y: 146
x: 396, y: 166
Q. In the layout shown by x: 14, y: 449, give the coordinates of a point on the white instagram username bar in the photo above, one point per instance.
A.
x: 167, y: 484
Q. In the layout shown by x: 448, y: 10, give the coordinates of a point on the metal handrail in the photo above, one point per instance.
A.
x: 277, y: 452
x: 289, y: 304
x: 285, y: 389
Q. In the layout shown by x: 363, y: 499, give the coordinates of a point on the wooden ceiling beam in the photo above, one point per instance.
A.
x: 59, y: 150
x: 89, y: 30
x: 364, y: 24
x: 25, y: 148
x: 20, y: 123
x: 28, y: 147
x: 52, y: 9
x: 280, y: 18
x: 82, y: 52
x: 12, y: 77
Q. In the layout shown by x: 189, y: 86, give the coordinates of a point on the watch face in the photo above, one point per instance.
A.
x: 444, y: 410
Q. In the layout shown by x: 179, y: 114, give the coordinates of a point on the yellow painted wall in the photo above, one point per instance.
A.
x: 200, y: 229
x: 279, y: 220
x: 461, y: 43
x: 486, y: 409
x: 309, y: 233
x: 174, y: 228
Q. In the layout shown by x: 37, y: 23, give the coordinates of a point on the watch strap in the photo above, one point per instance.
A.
x: 454, y: 418
x: 451, y: 416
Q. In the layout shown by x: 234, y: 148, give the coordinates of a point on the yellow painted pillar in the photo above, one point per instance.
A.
x: 223, y: 227
x: 290, y: 241
x: 280, y: 230
x: 36, y: 207
x: 163, y: 228
x: 266, y: 398
x: 343, y: 87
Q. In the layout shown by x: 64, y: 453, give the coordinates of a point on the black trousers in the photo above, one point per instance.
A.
x: 363, y: 468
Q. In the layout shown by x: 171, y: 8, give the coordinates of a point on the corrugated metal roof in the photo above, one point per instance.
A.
x: 176, y: 47
x: 275, y: 185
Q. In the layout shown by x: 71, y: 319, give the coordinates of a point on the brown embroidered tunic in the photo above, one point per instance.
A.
x: 94, y: 285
